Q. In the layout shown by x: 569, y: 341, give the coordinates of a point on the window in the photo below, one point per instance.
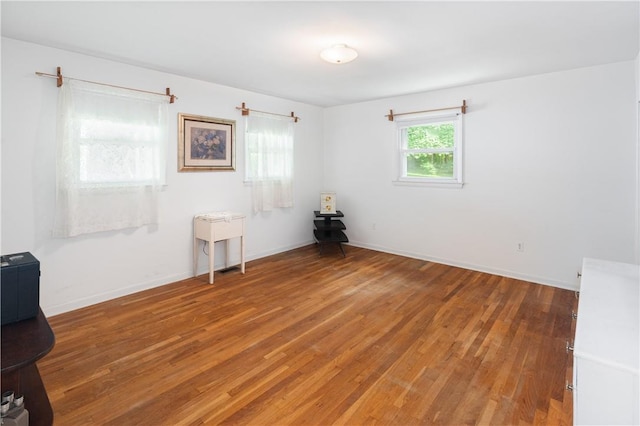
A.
x: 269, y: 161
x: 111, y: 158
x: 430, y: 150
x: 112, y: 153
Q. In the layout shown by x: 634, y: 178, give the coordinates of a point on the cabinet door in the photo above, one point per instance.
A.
x: 604, y: 394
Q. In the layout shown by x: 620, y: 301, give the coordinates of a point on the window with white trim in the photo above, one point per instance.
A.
x: 430, y: 150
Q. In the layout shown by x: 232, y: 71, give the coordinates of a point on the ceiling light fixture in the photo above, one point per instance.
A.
x: 339, y: 54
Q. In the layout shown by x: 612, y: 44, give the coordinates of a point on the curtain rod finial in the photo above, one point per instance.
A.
x: 172, y: 98
x: 59, y: 79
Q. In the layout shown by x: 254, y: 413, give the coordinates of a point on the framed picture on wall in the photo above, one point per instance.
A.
x: 327, y: 203
x: 205, y: 143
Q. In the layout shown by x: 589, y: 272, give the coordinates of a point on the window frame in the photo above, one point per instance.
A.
x: 402, y: 151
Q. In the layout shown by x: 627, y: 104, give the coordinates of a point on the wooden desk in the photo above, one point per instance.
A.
x: 23, y: 343
x: 214, y: 227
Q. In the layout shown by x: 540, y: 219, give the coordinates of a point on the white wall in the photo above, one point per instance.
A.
x: 637, y: 74
x: 88, y: 269
x: 550, y: 161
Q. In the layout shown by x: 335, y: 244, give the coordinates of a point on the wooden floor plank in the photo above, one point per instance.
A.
x: 303, y: 338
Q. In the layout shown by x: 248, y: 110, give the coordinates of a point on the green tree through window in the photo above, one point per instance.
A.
x: 432, y: 137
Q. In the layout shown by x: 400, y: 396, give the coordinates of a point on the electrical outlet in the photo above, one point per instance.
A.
x: 520, y: 247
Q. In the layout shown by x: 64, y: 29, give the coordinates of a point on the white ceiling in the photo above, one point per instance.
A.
x: 273, y: 47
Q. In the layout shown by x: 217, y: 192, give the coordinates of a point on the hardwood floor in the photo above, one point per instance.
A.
x: 304, y: 339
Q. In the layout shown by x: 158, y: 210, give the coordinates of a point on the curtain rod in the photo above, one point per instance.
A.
x: 462, y: 108
x: 246, y: 111
x: 60, y: 78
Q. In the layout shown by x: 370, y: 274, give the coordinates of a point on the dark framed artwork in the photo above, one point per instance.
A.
x: 206, y: 143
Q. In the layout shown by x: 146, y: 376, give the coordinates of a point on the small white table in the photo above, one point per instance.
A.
x: 217, y: 226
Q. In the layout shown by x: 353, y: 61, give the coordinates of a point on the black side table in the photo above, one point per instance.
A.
x: 329, y: 229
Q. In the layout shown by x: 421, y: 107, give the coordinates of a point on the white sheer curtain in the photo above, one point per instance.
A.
x: 269, y: 157
x: 111, y: 158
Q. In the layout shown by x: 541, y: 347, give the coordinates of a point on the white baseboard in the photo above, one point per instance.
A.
x: 102, y: 297
x: 235, y: 260
x: 108, y: 295
x: 160, y: 281
x: 495, y: 271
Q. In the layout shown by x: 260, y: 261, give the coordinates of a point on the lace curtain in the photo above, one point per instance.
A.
x: 269, y: 157
x: 111, y: 158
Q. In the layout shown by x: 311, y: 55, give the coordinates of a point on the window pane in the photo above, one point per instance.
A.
x: 437, y: 135
x: 432, y: 165
x: 97, y: 129
x: 116, y: 153
x: 116, y: 164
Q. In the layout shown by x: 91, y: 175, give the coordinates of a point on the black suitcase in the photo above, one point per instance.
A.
x: 20, y: 287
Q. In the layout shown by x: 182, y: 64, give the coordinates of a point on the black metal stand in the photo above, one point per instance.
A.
x: 330, y: 230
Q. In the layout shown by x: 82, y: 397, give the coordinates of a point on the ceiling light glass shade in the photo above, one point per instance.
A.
x: 339, y: 54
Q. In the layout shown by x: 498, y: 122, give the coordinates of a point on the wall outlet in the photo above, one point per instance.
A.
x: 520, y: 247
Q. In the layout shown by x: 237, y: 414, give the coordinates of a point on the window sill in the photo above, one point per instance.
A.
x: 429, y: 183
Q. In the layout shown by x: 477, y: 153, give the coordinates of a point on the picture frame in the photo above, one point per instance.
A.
x: 206, y: 143
x: 327, y: 203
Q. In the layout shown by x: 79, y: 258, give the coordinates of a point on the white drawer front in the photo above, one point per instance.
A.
x: 224, y: 230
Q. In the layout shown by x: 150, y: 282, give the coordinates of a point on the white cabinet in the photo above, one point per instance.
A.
x: 217, y: 226
x: 606, y: 349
